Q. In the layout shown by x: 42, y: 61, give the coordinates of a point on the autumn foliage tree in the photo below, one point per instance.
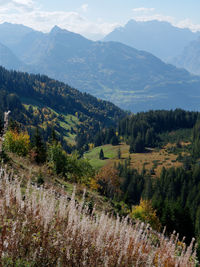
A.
x: 145, y: 213
x: 109, y: 182
x: 18, y: 143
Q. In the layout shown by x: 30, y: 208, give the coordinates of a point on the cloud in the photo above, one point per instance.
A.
x: 143, y: 10
x: 16, y: 6
x: 23, y: 2
x: 27, y: 13
x: 84, y: 7
x: 187, y: 23
x: 148, y: 14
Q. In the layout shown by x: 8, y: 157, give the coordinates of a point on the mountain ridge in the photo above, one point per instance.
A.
x: 132, y: 79
x: 157, y: 37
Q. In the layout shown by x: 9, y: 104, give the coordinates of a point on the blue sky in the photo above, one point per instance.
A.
x: 95, y: 18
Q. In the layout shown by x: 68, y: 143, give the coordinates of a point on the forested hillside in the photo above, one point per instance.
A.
x: 145, y: 128
x: 36, y: 100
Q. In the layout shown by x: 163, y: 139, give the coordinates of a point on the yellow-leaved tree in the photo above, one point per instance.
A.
x: 146, y: 213
x: 18, y: 143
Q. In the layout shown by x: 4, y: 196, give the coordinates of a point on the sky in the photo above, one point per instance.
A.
x: 96, y: 18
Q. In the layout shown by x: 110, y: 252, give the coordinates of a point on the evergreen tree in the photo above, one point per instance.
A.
x: 139, y: 144
x: 39, y: 148
x: 114, y: 140
x: 58, y: 158
x: 149, y: 137
x: 101, y: 154
x: 98, y: 140
x: 109, y: 135
x: 148, y: 189
x: 131, y: 148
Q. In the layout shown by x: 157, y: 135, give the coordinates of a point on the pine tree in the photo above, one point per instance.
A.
x: 139, y: 144
x: 39, y: 148
x: 131, y: 148
x: 114, y: 140
x: 101, y: 154
x: 149, y: 137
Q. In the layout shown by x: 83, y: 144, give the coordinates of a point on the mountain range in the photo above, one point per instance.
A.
x: 157, y: 37
x: 134, y: 80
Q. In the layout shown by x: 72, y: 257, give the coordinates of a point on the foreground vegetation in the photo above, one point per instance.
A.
x: 128, y: 185
x: 42, y: 227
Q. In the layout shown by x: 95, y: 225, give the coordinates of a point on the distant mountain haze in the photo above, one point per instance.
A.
x: 157, y: 37
x: 12, y: 34
x: 9, y: 60
x: 132, y: 79
x: 190, y: 57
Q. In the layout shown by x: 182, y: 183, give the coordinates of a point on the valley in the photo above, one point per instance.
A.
x: 133, y: 79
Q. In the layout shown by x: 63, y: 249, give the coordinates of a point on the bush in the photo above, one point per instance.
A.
x: 146, y: 213
x: 18, y: 143
x: 58, y: 158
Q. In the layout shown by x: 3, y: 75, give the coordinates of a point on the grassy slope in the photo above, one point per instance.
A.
x: 22, y: 167
x: 153, y: 158
x: 110, y: 153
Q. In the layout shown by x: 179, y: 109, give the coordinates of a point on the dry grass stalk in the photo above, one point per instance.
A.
x: 6, y: 115
x: 42, y: 230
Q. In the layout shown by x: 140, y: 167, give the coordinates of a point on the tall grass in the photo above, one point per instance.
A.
x: 43, y: 228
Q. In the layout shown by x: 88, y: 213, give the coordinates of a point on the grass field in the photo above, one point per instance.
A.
x: 110, y: 153
x: 152, y: 159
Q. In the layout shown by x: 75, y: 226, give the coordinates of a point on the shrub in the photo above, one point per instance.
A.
x: 58, y: 158
x: 18, y: 143
x: 146, y: 213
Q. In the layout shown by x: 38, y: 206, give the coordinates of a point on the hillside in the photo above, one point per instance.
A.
x: 132, y: 79
x: 190, y: 57
x: 36, y: 100
x: 157, y: 37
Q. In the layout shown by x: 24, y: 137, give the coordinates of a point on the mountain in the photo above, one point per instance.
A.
x: 132, y: 79
x: 157, y: 37
x: 12, y: 34
x: 8, y: 59
x: 190, y: 57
